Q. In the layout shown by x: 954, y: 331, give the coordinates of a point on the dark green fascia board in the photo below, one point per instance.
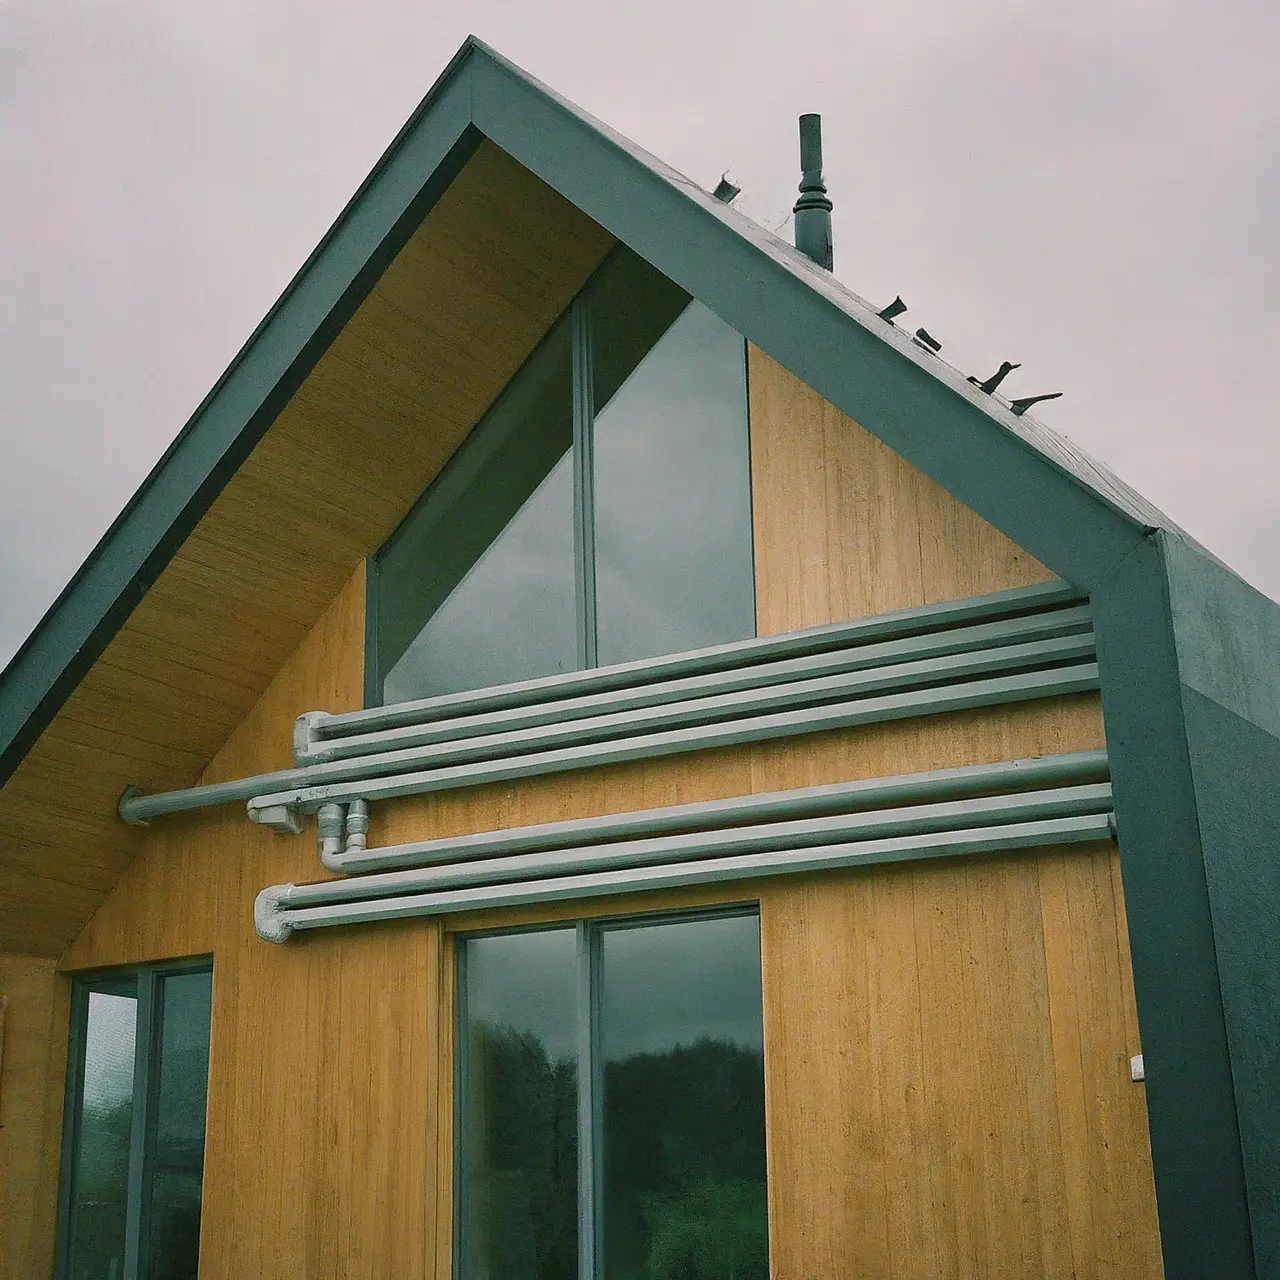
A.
x: 403, y: 186
x: 935, y: 426
x: 1043, y: 508
x: 1191, y: 1101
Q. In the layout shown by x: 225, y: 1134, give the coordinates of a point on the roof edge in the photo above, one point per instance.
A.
x: 88, y: 612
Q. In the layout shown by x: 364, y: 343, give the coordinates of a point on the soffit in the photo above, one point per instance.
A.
x: 493, y: 264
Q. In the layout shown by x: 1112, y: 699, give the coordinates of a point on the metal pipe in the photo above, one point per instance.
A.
x: 275, y: 921
x: 909, y: 820
x: 698, y: 710
x: 1037, y: 772
x: 683, y: 706
x: 1057, y: 625
x: 329, y: 824
x: 688, y: 716
x: 926, y: 618
x: 1057, y: 681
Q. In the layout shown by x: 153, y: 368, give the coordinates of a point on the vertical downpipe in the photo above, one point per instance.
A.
x: 813, y: 208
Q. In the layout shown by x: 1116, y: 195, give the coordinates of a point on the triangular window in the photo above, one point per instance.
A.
x: 599, y: 512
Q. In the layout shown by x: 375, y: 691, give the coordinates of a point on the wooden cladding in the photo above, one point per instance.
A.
x: 449, y: 322
x: 845, y: 528
x: 946, y: 1045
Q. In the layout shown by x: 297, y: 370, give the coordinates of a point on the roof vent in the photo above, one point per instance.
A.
x: 813, y: 208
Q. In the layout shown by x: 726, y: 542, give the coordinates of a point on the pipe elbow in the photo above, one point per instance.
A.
x: 329, y: 834
x: 268, y: 913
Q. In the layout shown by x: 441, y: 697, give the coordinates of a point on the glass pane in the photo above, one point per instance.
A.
x: 519, y: 1145
x: 684, y: 1155
x: 674, y: 568
x: 177, y: 1156
x: 101, y: 1162
x: 477, y: 586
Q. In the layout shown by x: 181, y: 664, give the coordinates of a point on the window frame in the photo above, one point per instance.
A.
x: 578, y: 317
x: 146, y: 1086
x: 589, y: 931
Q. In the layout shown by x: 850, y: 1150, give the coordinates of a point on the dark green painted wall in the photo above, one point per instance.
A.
x: 1228, y: 645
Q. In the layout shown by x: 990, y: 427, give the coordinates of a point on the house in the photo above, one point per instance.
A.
x: 781, y: 810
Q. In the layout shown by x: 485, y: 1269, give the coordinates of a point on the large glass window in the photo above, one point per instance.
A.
x: 611, y: 1102
x: 599, y: 512
x: 134, y: 1132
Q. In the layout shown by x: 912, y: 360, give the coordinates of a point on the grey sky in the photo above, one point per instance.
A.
x: 1092, y: 189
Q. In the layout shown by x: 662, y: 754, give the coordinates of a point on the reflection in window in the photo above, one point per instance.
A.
x: 136, y: 1116
x: 96, y: 1224
x: 673, y: 1182
x: 177, y: 1146
x: 519, y: 1163
x: 599, y: 512
x: 683, y: 1045
x: 672, y: 486
x: 477, y: 587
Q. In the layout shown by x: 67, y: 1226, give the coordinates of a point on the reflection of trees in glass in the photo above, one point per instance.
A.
x: 685, y: 1164
x: 714, y: 1231
x: 522, y: 1171
x: 101, y: 1179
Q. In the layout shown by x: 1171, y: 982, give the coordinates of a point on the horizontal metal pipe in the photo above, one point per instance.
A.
x: 909, y: 820
x: 692, y: 712
x: 889, y: 655
x: 1035, y: 772
x: 682, y: 717
x: 895, y: 706
x: 1001, y: 604
x: 275, y: 923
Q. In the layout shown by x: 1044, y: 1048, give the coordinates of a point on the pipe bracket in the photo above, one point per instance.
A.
x: 283, y: 819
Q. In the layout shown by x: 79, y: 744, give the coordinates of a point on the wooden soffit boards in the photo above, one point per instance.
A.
x: 449, y: 322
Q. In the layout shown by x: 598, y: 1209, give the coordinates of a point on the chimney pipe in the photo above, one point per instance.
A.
x: 813, y: 208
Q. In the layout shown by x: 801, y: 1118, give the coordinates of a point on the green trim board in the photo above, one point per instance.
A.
x: 233, y: 417
x: 1191, y: 1104
x: 1155, y: 595
x: 1003, y: 467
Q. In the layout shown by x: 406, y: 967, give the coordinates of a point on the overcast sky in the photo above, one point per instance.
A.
x: 1090, y: 188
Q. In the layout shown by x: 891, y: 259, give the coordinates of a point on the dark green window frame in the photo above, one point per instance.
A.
x: 146, y: 1083
x: 456, y: 471
x: 591, y: 1151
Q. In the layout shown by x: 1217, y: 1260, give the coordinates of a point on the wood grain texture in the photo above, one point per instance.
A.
x: 326, y: 1108
x: 452, y: 318
x: 947, y: 1072
x: 32, y: 1069
x: 942, y: 1098
x: 947, y: 1045
x: 845, y: 528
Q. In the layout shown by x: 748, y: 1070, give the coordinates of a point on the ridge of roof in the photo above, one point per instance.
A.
x: 442, y: 132
x: 1055, y: 447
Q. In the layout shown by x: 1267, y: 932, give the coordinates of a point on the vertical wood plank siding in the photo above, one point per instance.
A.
x: 31, y: 1073
x: 947, y: 1047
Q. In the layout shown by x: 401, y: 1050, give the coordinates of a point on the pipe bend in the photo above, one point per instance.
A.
x: 330, y: 823
x: 268, y: 918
